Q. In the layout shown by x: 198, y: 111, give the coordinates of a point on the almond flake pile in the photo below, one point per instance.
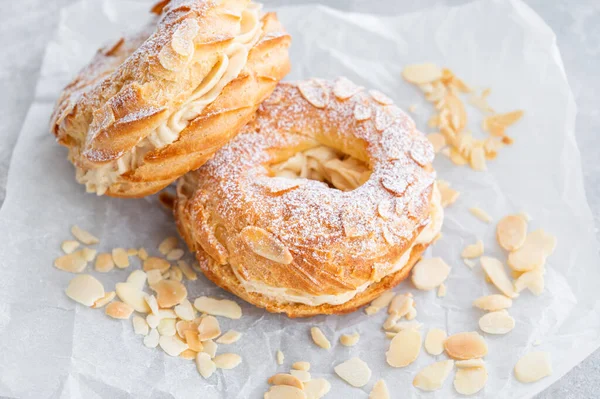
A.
x: 444, y: 90
x: 298, y: 383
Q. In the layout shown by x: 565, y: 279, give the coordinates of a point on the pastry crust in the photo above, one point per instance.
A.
x: 158, y: 104
x: 258, y: 236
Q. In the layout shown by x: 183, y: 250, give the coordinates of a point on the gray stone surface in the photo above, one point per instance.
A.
x: 27, y: 25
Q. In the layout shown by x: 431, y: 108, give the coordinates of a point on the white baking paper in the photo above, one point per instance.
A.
x: 52, y: 348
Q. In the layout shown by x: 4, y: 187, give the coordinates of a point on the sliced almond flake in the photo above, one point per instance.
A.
x: 132, y: 251
x: 314, y: 93
x: 533, y: 280
x: 344, y: 88
x: 185, y: 310
x: 391, y: 321
x: 183, y: 326
x: 304, y: 366
x: 140, y: 327
x: 533, y: 367
x: 69, y: 246
x: 85, y: 289
x: 390, y: 334
x: 420, y: 74
x: 227, y: 361
x: 480, y: 214
x: 319, y: 338
x: 153, y: 320
x: 151, y: 340
x: 473, y: 250
x: 382, y: 120
x: 73, y: 262
x: 88, y: 254
x: 506, y: 119
x: 175, y: 254
x: 210, y: 347
x: 458, y: 114
x: 449, y: 195
x: 193, y: 340
x: 492, y: 303
x: 104, y: 263
x: 469, y: 381
x: 302, y: 375
x: 187, y: 270
x: 171, y: 345
x: 284, y: 392
x: 152, y: 304
x: 316, y: 388
x: 457, y: 158
x: 429, y: 273
x: 354, y: 371
x: 494, y: 269
x: 406, y: 325
x: 498, y: 322
x: 216, y: 307
x: 109, y: 296
x: 404, y: 348
x: 371, y: 310
x: 362, y: 112
x: 142, y: 254
x: 265, y: 244
x: 188, y: 354
x: 118, y: 310
x: 120, y: 258
x: 175, y: 274
x: 469, y: 263
x: 169, y: 293
x: 511, y: 232
x: 279, y: 357
x: 168, y: 244
x: 138, y: 279
x: 532, y: 254
x: 477, y: 160
x: 380, y: 97
x: 166, y: 327
x: 349, y: 339
x: 385, y: 209
x: 471, y: 363
x: 84, y: 236
x: 379, y: 391
x: 434, y: 341
x: 401, y: 304
x: 153, y: 276
x: 209, y: 328
x: 432, y: 377
x: 412, y: 313
x: 133, y: 296
x: 285, y: 379
x: 437, y: 140
x: 206, y: 367
x: 465, y: 345
x: 422, y: 152
x: 441, y: 291
x: 229, y: 337
x: 383, y: 300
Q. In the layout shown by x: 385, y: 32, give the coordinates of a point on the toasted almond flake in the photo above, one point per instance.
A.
x: 533, y: 280
x: 302, y: 375
x: 140, y: 327
x: 380, y: 302
x: 188, y: 354
x: 379, y: 391
x: 138, y: 279
x: 438, y: 141
x: 142, y: 254
x: 511, y: 232
x: 187, y: 270
x: 279, y: 357
x: 109, y: 296
x: 206, y: 367
x: 432, y: 377
x: 317, y: 388
x: 319, y: 338
x: 118, y: 310
x: 266, y: 245
x: 69, y: 246
x: 493, y: 303
x: 429, y: 273
x: 132, y: 251
x: 465, y: 345
x: 457, y: 158
x: 167, y: 245
x: 304, y: 366
x: 285, y: 379
x: 469, y: 263
x: 166, y: 327
x: 354, y: 371
x: 151, y: 340
x: 88, y: 254
x: 133, y: 296
x: 478, y: 159
x: 371, y: 310
x: 73, y: 262
x: 420, y: 74
x: 84, y: 236
x: 229, y: 337
x: 362, y: 112
x: 175, y: 254
x: 498, y: 322
x: 284, y: 392
x: 473, y: 250
x: 494, y: 269
x: 210, y: 347
x: 209, y: 328
x: 404, y: 348
x: 153, y: 263
x: 153, y: 276
x: 533, y: 253
x: 506, y: 119
x: 405, y: 325
x: 182, y: 326
x: 227, y: 361
x: 120, y: 258
x: 469, y: 381
x: 434, y: 341
x: 480, y: 214
x: 218, y: 307
x: 104, y: 263
x: 169, y: 293
x: 152, y: 304
x: 167, y: 314
x: 449, y: 195
x: 171, y: 345
x: 193, y: 341
x: 380, y: 97
x: 85, y: 289
x: 185, y: 310
x: 471, y: 363
x: 349, y: 339
x: 175, y: 274
x: 533, y: 367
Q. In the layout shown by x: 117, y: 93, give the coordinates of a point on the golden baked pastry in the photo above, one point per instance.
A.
x: 158, y: 104
x: 321, y: 203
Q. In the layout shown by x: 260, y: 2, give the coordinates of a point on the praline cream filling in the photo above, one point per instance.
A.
x: 227, y: 68
x: 287, y: 295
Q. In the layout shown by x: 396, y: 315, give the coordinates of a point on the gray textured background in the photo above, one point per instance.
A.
x: 26, y: 26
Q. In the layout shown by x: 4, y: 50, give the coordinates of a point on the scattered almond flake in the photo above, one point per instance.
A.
x: 304, y: 366
x: 473, y: 250
x: 405, y: 325
x: 104, y: 263
x: 465, y: 345
x: 412, y: 313
x: 73, y: 262
x: 84, y: 236
x: 133, y: 296
x: 109, y: 296
x: 478, y: 159
x: 313, y: 92
x: 218, y: 307
x: 153, y: 276
x: 140, y: 327
x: 209, y: 328
x: 171, y: 345
x: 506, y: 119
x: 449, y: 195
x: 152, y: 304
x: 511, y: 232
x: 88, y: 254
x: 469, y: 263
x: 137, y: 278
x: 169, y: 293
x: 438, y: 141
x: 182, y: 326
x: 429, y: 273
x: 120, y: 258
x: 471, y: 363
x: 167, y: 245
x: 457, y: 158
x: 422, y: 73
x: 210, y: 347
x: 187, y: 270
x: 69, y: 246
x: 441, y: 291
x: 118, y: 310
x: 533, y: 280
x: 390, y: 334
x: 354, y: 371
x: 142, y: 254
x: 227, y: 361
x: 480, y: 214
x: 279, y: 356
x: 319, y: 338
x: 404, y: 348
x: 229, y: 337
x: 284, y: 392
x: 371, y: 310
x: 151, y: 340
x: 206, y: 367
x: 349, y: 339
x: 434, y: 341
x: 380, y: 302
x: 185, y: 310
x: 152, y: 320
x: 193, y: 340
x: 285, y: 379
x: 401, y: 304
x: 302, y: 375
x: 533, y: 367
x: 188, y: 354
x: 533, y: 253
x: 316, y: 389
x: 132, y: 252
x: 469, y: 381
x: 175, y: 254
x: 391, y: 321
x: 379, y: 391
x: 492, y: 303
x: 494, y: 269
x: 166, y: 327
x: 498, y: 322
x: 175, y: 274
x: 432, y: 377
x: 413, y: 108
x: 85, y: 289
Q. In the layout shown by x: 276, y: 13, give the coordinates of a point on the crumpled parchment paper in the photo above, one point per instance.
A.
x: 52, y: 348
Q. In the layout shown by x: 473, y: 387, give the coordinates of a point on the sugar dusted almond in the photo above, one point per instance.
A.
x: 404, y: 348
x: 314, y: 92
x: 422, y: 73
x: 471, y: 363
x: 209, y: 328
x: 469, y: 381
x: 279, y: 357
x: 441, y: 291
x: 109, y: 296
x: 151, y: 340
x: 104, y: 263
x: 167, y: 245
x: 304, y: 366
x: 480, y: 214
x: 187, y: 270
x: 354, y: 371
x: 494, y: 269
x: 166, y: 327
x: 465, y: 345
x: 137, y: 278
x: 69, y: 246
x: 265, y: 244
x: 385, y: 209
x: 120, y: 258
x: 285, y: 379
x: 344, y: 88
x: 218, y: 307
x: 142, y: 253
x: 319, y: 338
x: 429, y: 273
x: 227, y: 361
x: 432, y: 377
x: 493, y: 303
x: 73, y: 262
x: 193, y: 341
x: 473, y: 250
x: 175, y: 254
x: 533, y: 280
x: 362, y: 112
x: 206, y: 367
x: 533, y: 367
x: 132, y: 296
x: 434, y: 341
x: 379, y: 391
x: 349, y: 339
x: 229, y: 337
x: 84, y: 236
x: 380, y: 97
x: 140, y: 327
x: 118, y: 310
x: 171, y: 345
x: 153, y: 263
x: 85, y: 289
x: 511, y: 232
x: 284, y: 392
x: 169, y: 293
x: 498, y: 322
